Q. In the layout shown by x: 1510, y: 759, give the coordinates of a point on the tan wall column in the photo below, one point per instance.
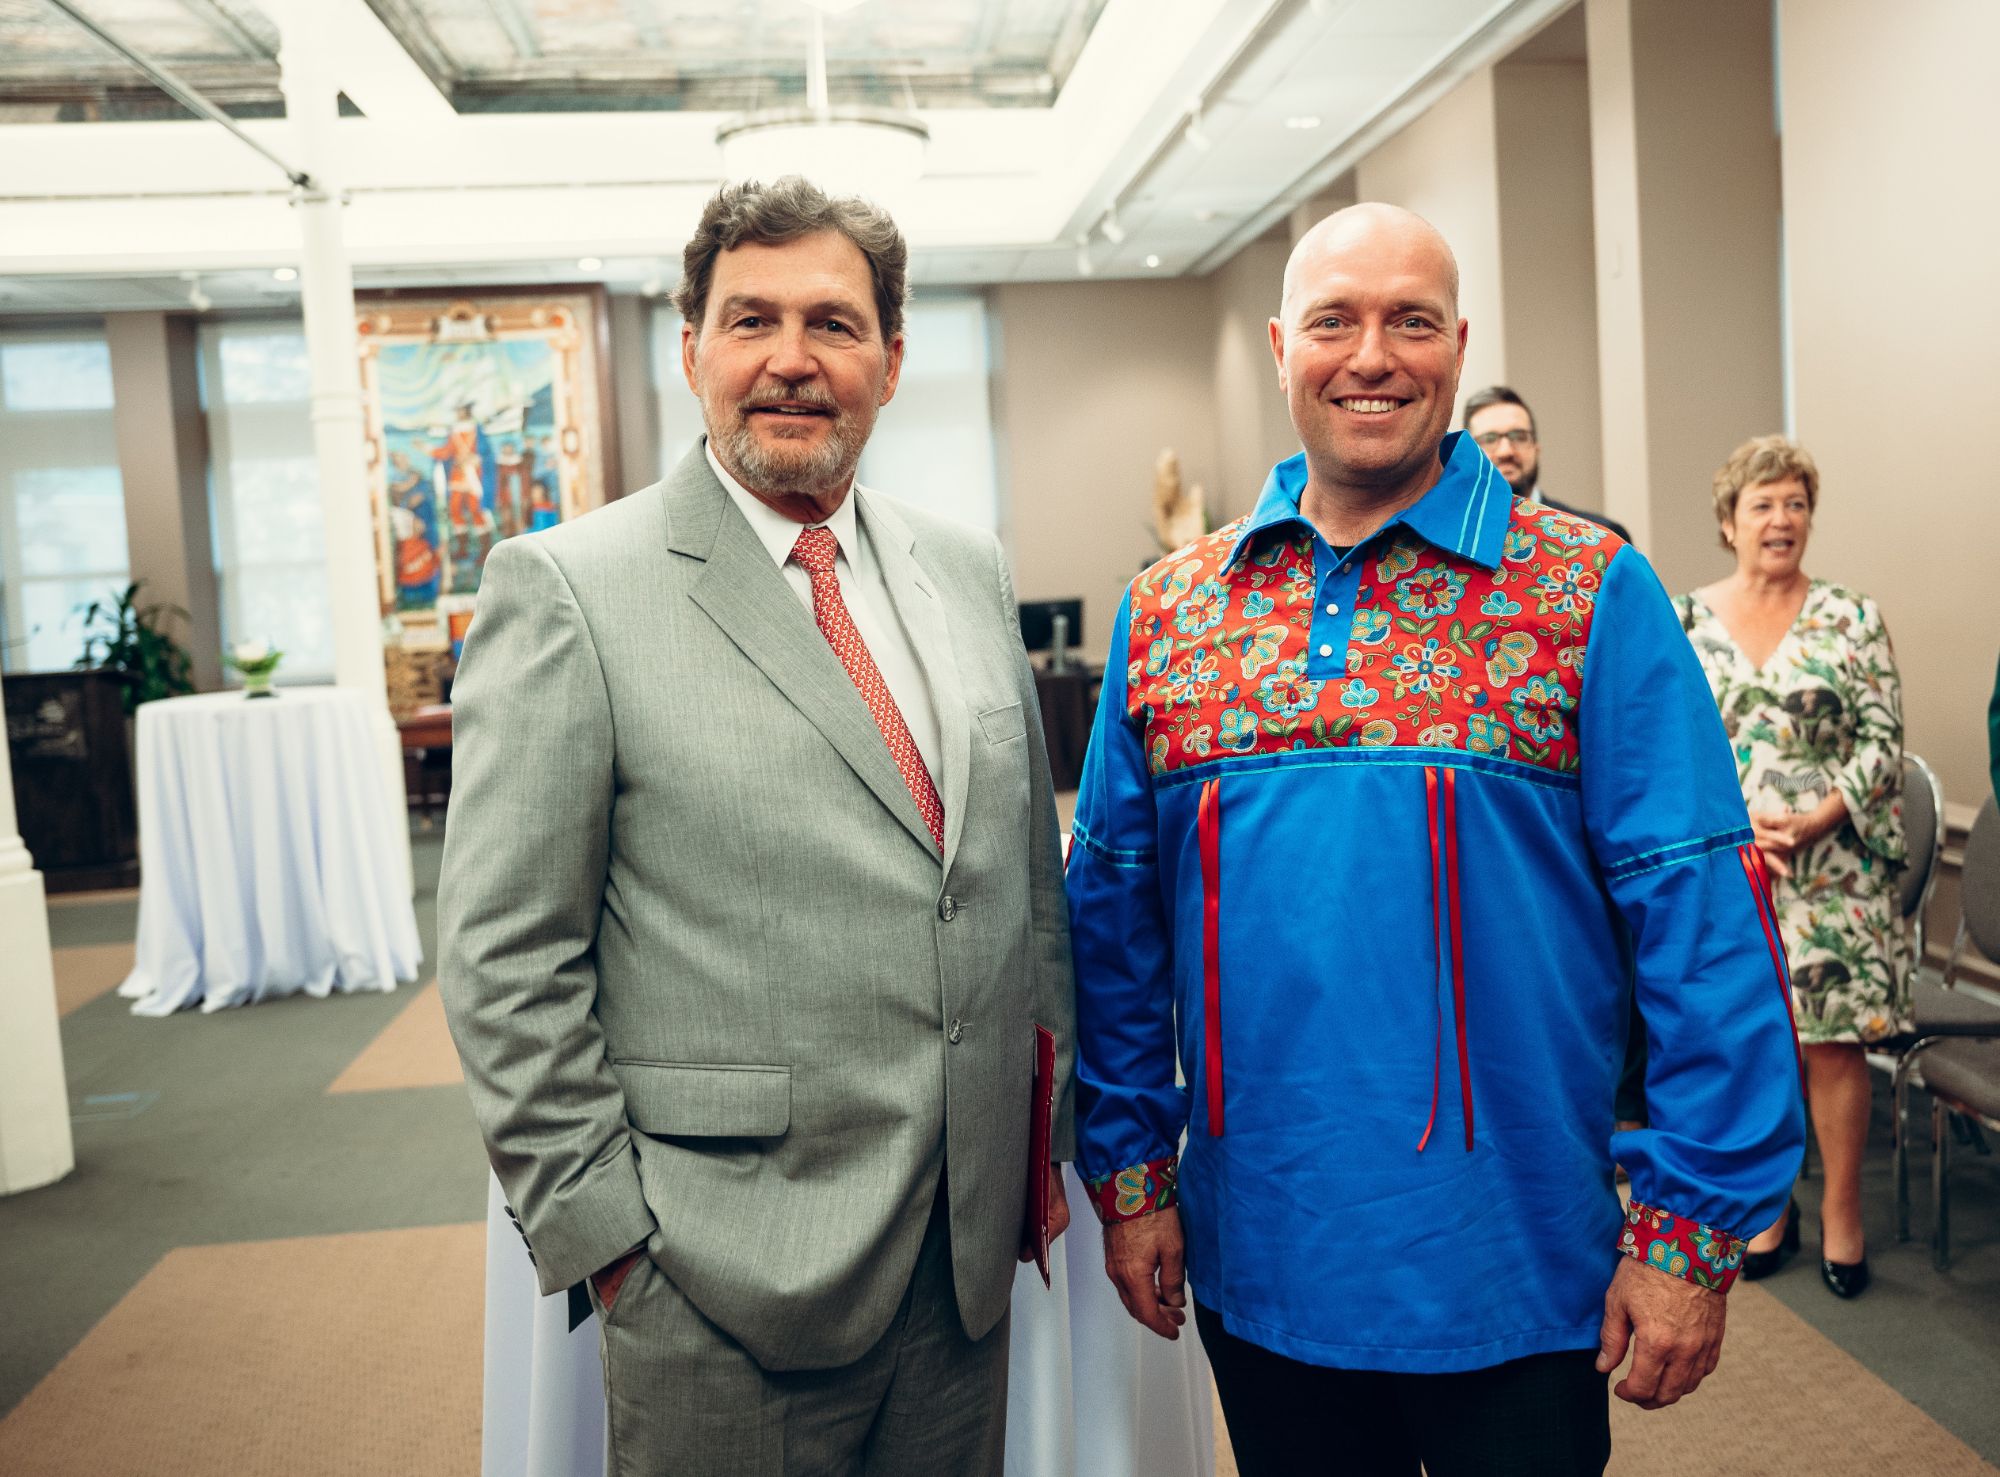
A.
x: 1548, y: 262
x: 163, y: 460
x: 637, y: 407
x: 35, y: 1145
x: 1684, y: 161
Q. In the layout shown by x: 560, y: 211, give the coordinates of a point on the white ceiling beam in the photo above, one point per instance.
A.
x: 1130, y: 89
x: 370, y: 65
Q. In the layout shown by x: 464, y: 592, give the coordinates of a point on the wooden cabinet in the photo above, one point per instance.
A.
x: 67, y: 735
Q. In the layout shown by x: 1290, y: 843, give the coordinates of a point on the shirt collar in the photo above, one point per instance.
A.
x: 1466, y: 513
x: 774, y: 530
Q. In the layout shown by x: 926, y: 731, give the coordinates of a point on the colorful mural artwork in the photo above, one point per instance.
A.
x: 485, y: 417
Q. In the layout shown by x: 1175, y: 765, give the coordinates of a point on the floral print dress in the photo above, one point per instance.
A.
x: 1824, y: 713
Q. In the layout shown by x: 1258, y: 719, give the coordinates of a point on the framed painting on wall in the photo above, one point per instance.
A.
x: 487, y: 413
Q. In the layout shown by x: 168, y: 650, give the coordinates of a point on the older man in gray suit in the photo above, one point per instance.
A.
x: 752, y: 898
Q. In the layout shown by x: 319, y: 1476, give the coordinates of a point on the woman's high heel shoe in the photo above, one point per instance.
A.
x: 1763, y: 1263
x: 1845, y: 1279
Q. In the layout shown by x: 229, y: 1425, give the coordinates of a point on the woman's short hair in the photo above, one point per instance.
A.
x: 1759, y: 460
x: 771, y: 215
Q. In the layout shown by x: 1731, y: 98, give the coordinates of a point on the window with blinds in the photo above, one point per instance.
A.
x: 62, y: 499
x: 270, y: 558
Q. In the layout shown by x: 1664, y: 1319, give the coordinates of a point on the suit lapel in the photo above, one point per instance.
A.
x: 920, y: 607
x: 743, y: 592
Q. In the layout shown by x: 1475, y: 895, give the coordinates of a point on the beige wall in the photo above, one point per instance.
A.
x: 1444, y: 167
x: 1253, y: 427
x: 1095, y: 378
x: 1894, y: 311
x: 1542, y: 135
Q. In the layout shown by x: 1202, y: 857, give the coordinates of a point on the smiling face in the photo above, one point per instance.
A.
x: 1369, y: 347
x: 1769, y: 528
x: 791, y: 368
x: 1496, y: 428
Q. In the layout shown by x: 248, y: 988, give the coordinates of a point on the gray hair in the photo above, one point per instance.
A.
x: 771, y: 215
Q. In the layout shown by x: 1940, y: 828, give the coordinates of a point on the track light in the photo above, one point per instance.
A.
x: 1085, y: 267
x: 1113, y: 232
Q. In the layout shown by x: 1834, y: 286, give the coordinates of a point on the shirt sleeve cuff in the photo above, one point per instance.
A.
x: 1140, y: 1190
x: 1704, y: 1255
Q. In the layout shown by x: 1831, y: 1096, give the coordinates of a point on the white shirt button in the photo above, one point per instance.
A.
x: 1332, y: 608
x: 1326, y: 651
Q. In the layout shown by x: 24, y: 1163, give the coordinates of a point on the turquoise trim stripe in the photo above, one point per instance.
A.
x: 1680, y: 851
x: 1110, y: 855
x: 1406, y: 755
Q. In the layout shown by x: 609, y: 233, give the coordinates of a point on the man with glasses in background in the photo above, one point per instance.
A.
x: 1504, y: 428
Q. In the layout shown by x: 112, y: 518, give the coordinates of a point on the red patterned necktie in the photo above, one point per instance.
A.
x: 814, y: 554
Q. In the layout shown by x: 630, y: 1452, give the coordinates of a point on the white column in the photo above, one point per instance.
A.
x: 327, y: 291
x: 35, y: 1147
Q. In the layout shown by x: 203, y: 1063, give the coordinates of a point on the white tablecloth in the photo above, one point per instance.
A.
x: 267, y: 863
x: 1089, y: 1393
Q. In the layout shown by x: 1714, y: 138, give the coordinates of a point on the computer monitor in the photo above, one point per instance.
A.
x: 1038, y: 622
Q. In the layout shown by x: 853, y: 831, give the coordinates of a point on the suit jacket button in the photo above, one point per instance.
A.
x: 954, y: 1031
x: 947, y: 907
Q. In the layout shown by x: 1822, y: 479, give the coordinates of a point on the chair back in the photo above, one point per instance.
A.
x: 1923, y: 828
x: 1979, y: 882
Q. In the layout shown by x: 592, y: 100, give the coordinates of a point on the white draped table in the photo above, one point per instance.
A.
x: 267, y: 866
x: 1090, y: 1393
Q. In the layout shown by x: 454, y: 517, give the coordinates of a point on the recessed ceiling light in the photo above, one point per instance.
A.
x: 1204, y: 214
x: 589, y: 264
x: 285, y: 274
x: 1152, y: 261
x: 1303, y: 121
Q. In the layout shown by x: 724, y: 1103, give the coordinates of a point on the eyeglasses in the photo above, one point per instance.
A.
x: 1494, y: 438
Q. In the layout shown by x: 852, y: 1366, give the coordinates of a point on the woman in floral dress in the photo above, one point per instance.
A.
x: 1806, y: 682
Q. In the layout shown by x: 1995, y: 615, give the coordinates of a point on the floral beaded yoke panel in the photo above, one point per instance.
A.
x: 1360, y: 844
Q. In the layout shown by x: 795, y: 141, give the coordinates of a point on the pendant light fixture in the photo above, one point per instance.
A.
x: 876, y: 152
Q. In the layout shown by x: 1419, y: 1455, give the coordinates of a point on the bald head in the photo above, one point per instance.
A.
x: 1371, y: 237
x: 1369, y: 345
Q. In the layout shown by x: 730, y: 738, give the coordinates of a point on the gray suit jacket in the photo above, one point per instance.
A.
x: 713, y: 988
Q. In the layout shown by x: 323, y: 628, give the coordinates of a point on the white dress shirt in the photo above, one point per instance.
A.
x: 867, y: 598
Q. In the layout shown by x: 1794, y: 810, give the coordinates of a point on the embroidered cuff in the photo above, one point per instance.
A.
x: 1703, y: 1255
x: 1140, y: 1190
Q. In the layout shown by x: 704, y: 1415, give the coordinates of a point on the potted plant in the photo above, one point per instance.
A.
x: 256, y: 660
x: 132, y: 640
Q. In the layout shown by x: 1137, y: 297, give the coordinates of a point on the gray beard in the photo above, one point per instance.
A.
x: 785, y: 473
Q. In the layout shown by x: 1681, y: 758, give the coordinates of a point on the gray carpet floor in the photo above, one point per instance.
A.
x: 198, y: 1129
x: 202, y: 1129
